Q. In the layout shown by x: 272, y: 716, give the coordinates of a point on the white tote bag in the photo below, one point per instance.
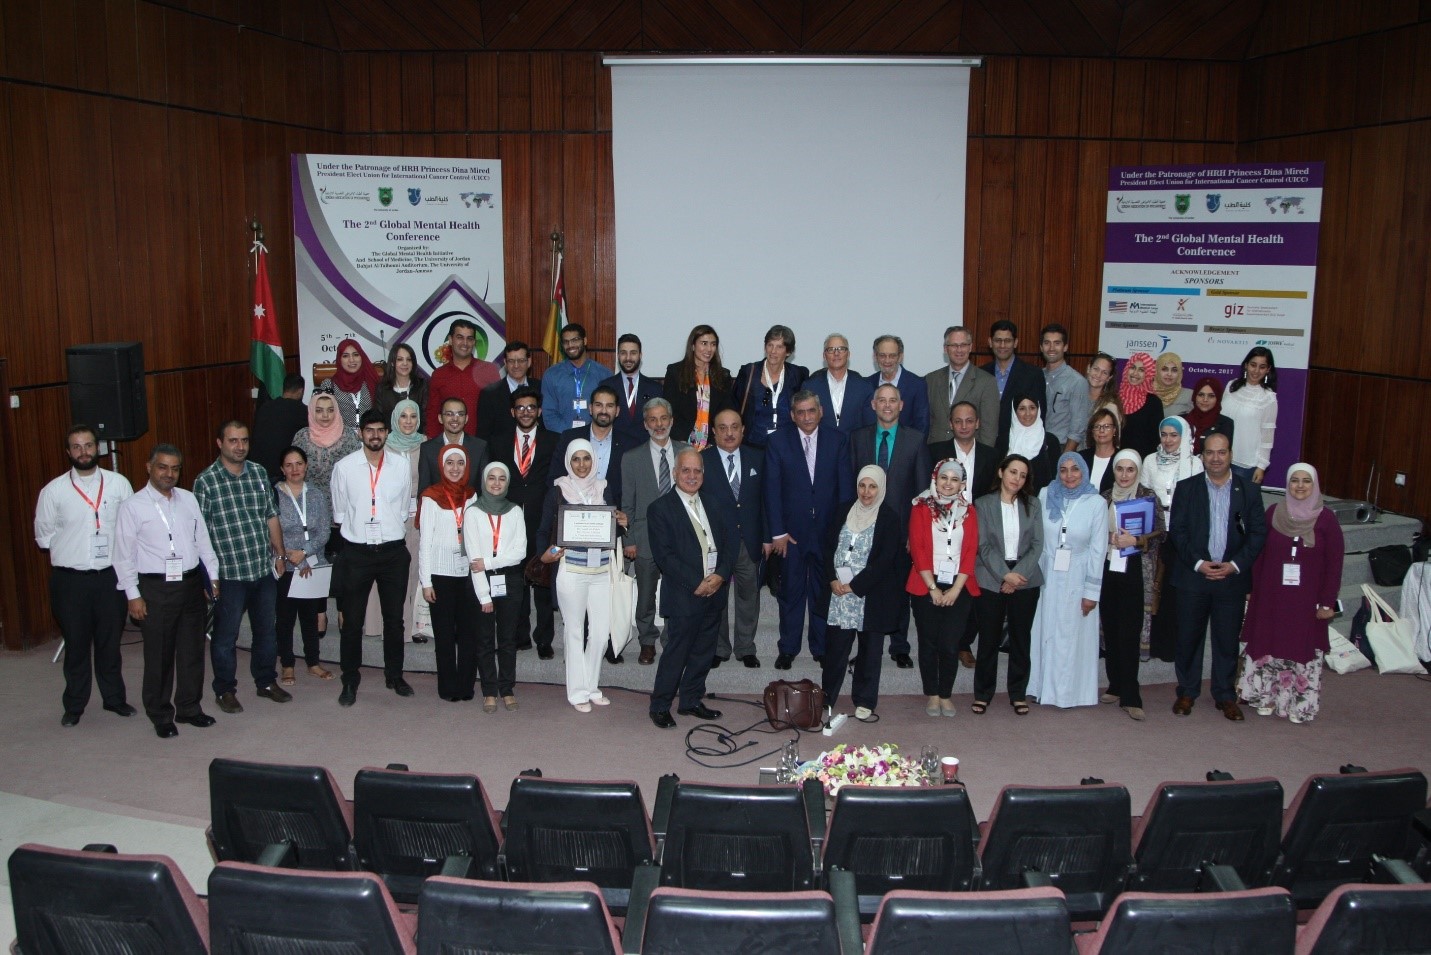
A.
x: 1344, y: 657
x: 1416, y: 605
x: 1391, y: 637
x: 623, y: 603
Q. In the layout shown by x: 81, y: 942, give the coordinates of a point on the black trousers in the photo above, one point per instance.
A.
x: 1120, y: 609
x: 173, y: 629
x: 497, y: 638
x: 1163, y: 634
x: 454, y: 635
x: 993, y: 608
x: 304, y: 612
x: 362, y: 566
x: 939, y: 631
x: 869, y: 657
x: 684, y: 663
x: 90, y: 612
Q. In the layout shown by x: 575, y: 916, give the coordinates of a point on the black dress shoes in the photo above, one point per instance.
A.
x: 820, y: 660
x: 399, y: 686
x: 122, y: 709
x: 201, y: 720
x: 701, y: 712
x: 902, y: 661
x: 663, y: 721
x: 419, y: 638
x: 274, y: 692
x: 166, y: 730
x: 783, y: 661
x: 615, y: 659
x: 715, y: 664
x: 545, y: 653
x: 349, y: 696
x: 70, y: 719
x: 751, y: 661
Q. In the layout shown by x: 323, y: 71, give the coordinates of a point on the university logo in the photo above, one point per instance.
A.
x: 1182, y: 201
x: 414, y: 196
x: 1214, y: 201
x: 385, y: 195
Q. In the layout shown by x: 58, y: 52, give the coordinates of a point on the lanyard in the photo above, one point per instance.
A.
x: 699, y: 514
x: 94, y: 504
x: 302, y: 509
x: 375, y: 475
x: 459, y: 514
x: 1063, y: 537
x: 579, y: 382
x: 168, y: 526
x: 1296, y: 542
x: 496, y: 531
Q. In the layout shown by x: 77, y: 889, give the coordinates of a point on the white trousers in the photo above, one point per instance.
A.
x: 582, y: 596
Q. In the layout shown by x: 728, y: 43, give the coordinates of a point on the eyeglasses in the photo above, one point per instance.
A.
x: 837, y: 349
x: 454, y: 414
x: 1102, y: 427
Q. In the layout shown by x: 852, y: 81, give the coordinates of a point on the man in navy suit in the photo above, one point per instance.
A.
x: 1012, y: 376
x: 844, y: 395
x: 737, y: 486
x: 1218, y: 529
x: 810, y: 481
x: 632, y: 390
x: 695, y: 547
x: 608, y: 443
x: 903, y: 453
x: 889, y: 356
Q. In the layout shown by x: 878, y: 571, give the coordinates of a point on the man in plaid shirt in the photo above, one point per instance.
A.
x: 242, y: 517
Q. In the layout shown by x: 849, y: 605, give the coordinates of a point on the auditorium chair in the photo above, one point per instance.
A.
x: 1021, y: 921
x: 277, y: 815
x: 567, y: 830
x: 1251, y: 922
x: 255, y: 909
x: 409, y: 826
x: 1208, y: 836
x: 71, y: 902
x: 743, y: 838
x: 689, y: 921
x: 1338, y: 822
x: 1354, y: 919
x: 919, y: 839
x: 1074, y: 838
x: 465, y: 915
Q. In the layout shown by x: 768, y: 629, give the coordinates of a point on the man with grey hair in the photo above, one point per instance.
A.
x: 890, y: 370
x: 647, y: 471
x: 844, y: 396
x: 959, y: 379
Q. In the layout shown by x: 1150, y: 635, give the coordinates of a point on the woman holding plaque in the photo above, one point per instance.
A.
x: 497, y: 546
x: 583, y: 578
x: 1136, y: 523
x: 444, y: 571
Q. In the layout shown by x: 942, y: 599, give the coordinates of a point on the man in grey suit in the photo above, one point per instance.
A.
x: 960, y: 380
x: 647, y: 472
x: 904, y: 455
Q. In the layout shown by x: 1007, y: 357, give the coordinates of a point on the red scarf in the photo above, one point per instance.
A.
x: 353, y: 382
x: 449, y: 495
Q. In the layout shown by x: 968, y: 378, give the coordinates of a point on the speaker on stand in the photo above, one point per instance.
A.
x: 106, y: 385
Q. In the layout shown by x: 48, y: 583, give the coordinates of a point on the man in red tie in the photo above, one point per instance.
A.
x: 633, y: 390
x: 527, y: 453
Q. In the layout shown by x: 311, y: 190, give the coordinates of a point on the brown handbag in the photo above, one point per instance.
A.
x: 800, y: 704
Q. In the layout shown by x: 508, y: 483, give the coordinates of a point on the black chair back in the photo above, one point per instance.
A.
x: 1027, y: 921
x: 681, y: 921
x: 573, y: 831
x: 1253, y: 922
x: 256, y: 805
x: 738, y: 839
x: 917, y: 839
x: 1354, y: 919
x: 1188, y: 825
x: 461, y: 915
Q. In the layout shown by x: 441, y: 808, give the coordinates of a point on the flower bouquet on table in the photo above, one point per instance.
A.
x: 878, y: 765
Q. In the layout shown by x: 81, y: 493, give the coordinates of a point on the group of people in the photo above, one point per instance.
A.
x: 1000, y: 504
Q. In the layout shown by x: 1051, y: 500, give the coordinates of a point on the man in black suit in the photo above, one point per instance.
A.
x: 737, y: 488
x: 903, y: 453
x: 607, y: 442
x: 695, y: 547
x: 981, y: 464
x: 1012, y: 376
x: 527, y: 455
x: 494, y: 418
x: 275, y: 423
x: 1218, y: 529
x: 633, y: 390
x: 454, y: 424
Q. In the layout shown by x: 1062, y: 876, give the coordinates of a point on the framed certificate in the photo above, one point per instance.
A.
x: 584, y: 526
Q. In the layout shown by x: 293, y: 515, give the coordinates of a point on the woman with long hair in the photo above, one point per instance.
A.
x: 402, y: 378
x: 698, y: 388
x: 1251, y: 404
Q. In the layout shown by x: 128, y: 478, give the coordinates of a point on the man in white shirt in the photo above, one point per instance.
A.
x: 647, y: 471
x: 959, y: 379
x: 371, y: 493
x: 844, y: 396
x: 74, y: 521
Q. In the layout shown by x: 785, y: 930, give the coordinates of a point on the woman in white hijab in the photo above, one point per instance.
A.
x: 863, y: 562
x: 1028, y: 438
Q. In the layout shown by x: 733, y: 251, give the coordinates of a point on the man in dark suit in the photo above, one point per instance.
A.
x: 454, y: 424
x: 1218, y: 529
x: 904, y: 454
x: 810, y: 481
x: 889, y: 357
x: 608, y: 443
x: 647, y: 472
x: 494, y: 405
x: 527, y: 453
x: 275, y: 423
x: 852, y: 410
x: 960, y: 380
x: 632, y: 390
x: 1012, y: 376
x: 695, y: 547
x: 736, y: 487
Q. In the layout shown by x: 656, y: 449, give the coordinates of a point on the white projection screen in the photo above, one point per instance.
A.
x: 827, y: 195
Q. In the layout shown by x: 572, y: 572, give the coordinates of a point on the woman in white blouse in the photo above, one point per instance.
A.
x: 496, y: 537
x: 1251, y: 404
x: 443, y: 570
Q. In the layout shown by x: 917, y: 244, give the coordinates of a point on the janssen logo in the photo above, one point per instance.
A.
x: 1156, y: 345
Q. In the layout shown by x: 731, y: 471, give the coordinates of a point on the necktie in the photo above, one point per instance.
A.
x: 524, y: 460
x: 630, y: 396
x: 954, y: 387
x: 699, y: 528
x: 810, y: 456
x: 732, y: 475
x: 665, y: 475
x: 883, y: 458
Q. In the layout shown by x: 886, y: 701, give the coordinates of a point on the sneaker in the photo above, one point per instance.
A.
x: 863, y: 713
x: 1264, y: 711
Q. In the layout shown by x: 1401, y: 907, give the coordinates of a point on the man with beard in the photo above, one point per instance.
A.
x: 608, y: 442
x: 527, y: 453
x: 567, y: 385
x: 464, y: 376
x: 74, y: 521
x: 633, y: 390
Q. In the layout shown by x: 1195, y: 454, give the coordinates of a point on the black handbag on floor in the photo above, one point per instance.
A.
x: 1389, y: 564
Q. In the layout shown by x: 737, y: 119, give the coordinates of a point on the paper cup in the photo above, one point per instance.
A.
x: 950, y: 765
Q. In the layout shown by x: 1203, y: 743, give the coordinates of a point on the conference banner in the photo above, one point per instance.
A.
x: 392, y: 249
x: 1210, y: 262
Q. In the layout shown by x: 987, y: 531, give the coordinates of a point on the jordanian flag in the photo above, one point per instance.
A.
x: 265, y: 356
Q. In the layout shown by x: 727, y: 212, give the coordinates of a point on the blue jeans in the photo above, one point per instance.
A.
x: 259, y: 598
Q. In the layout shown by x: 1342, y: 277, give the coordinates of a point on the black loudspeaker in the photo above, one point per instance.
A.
x: 107, y: 389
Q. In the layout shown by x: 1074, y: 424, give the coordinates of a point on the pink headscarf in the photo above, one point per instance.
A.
x: 1134, y: 396
x: 324, y: 436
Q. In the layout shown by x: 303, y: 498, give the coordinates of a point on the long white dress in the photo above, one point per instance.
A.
x: 1063, y: 659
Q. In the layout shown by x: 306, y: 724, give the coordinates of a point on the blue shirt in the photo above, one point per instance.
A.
x: 562, y: 386
x: 1219, y: 503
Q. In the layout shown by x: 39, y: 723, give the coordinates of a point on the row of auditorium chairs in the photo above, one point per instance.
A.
x: 1201, y: 836
x: 94, y: 903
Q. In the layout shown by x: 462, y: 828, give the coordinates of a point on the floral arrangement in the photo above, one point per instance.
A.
x: 879, y: 765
